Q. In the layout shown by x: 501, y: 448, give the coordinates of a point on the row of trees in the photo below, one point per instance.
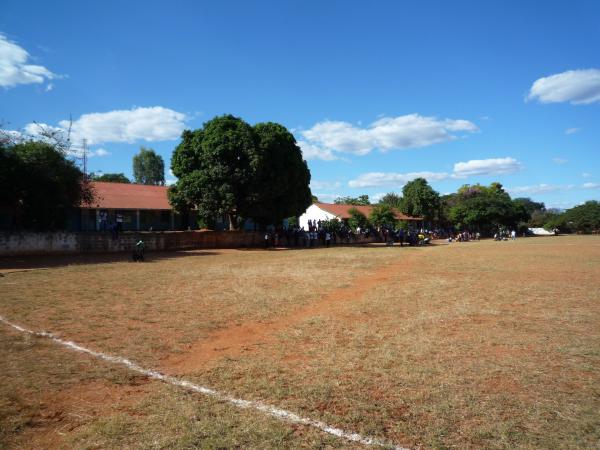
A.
x: 482, y: 208
x: 230, y: 168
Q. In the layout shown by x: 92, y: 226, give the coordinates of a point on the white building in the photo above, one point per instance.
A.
x: 327, y: 211
x: 315, y: 213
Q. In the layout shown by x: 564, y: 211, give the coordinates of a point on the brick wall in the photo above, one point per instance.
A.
x: 102, y: 242
x: 63, y: 242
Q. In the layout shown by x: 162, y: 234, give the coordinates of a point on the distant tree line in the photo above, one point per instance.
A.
x: 110, y: 178
x: 477, y: 208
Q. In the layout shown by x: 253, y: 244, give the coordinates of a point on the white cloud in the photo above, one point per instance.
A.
x: 99, y: 152
x: 386, y: 133
x: 148, y: 124
x: 493, y: 166
x: 311, y: 151
x: 572, y: 130
x: 590, y: 185
x: 341, y: 136
x: 11, y: 136
x: 378, y: 179
x: 376, y: 197
x: 49, y: 87
x: 541, y: 188
x: 14, y: 67
x: 315, y: 184
x: 586, y: 174
x: 574, y: 86
x: 39, y: 130
x: 562, y: 205
x: 560, y: 161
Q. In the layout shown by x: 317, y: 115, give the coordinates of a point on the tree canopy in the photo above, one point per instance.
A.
x: 280, y: 177
x: 582, y: 218
x: 420, y: 200
x: 148, y: 167
x: 485, y: 208
x: 358, y: 201
x: 229, y: 168
x: 392, y: 199
x: 529, y: 206
x: 213, y: 167
x: 357, y: 219
x: 39, y: 186
x: 382, y: 215
x: 111, y: 178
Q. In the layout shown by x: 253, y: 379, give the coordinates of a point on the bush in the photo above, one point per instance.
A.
x: 357, y: 219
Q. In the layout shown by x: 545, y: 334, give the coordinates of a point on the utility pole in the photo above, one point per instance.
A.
x: 84, y: 149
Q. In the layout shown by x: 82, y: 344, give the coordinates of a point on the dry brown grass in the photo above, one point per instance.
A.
x: 475, y: 345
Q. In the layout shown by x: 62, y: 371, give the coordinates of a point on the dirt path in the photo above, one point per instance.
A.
x: 234, y: 340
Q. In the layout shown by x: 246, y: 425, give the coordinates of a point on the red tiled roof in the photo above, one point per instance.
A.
x: 341, y: 211
x: 128, y: 196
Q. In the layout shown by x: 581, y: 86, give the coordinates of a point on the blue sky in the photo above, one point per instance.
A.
x: 376, y: 93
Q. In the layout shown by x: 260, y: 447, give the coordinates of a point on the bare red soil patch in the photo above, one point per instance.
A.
x: 234, y: 340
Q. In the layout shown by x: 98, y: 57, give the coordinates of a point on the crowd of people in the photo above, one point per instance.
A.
x: 464, y: 236
x: 324, y: 233
x: 504, y: 235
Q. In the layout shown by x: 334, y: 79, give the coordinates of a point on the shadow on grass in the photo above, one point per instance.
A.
x: 21, y: 263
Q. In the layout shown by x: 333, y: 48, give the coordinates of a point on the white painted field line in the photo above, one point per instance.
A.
x: 273, y: 411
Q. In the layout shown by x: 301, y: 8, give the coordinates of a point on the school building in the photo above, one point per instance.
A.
x: 137, y: 207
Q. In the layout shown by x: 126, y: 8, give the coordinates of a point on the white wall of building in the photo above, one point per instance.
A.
x: 313, y: 213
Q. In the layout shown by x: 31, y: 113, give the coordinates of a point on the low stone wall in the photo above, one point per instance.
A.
x: 102, y: 242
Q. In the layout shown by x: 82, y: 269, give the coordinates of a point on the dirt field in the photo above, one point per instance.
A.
x: 467, y: 345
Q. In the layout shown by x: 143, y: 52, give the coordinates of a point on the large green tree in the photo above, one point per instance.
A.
x: 230, y: 168
x: 582, y: 218
x: 420, y: 200
x: 484, y: 208
x: 382, y: 215
x: 148, y: 167
x: 39, y: 186
x: 544, y: 218
x: 213, y: 169
x: 280, y: 177
x: 528, y: 206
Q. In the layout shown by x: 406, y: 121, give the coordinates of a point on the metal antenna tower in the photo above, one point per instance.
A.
x: 84, y: 157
